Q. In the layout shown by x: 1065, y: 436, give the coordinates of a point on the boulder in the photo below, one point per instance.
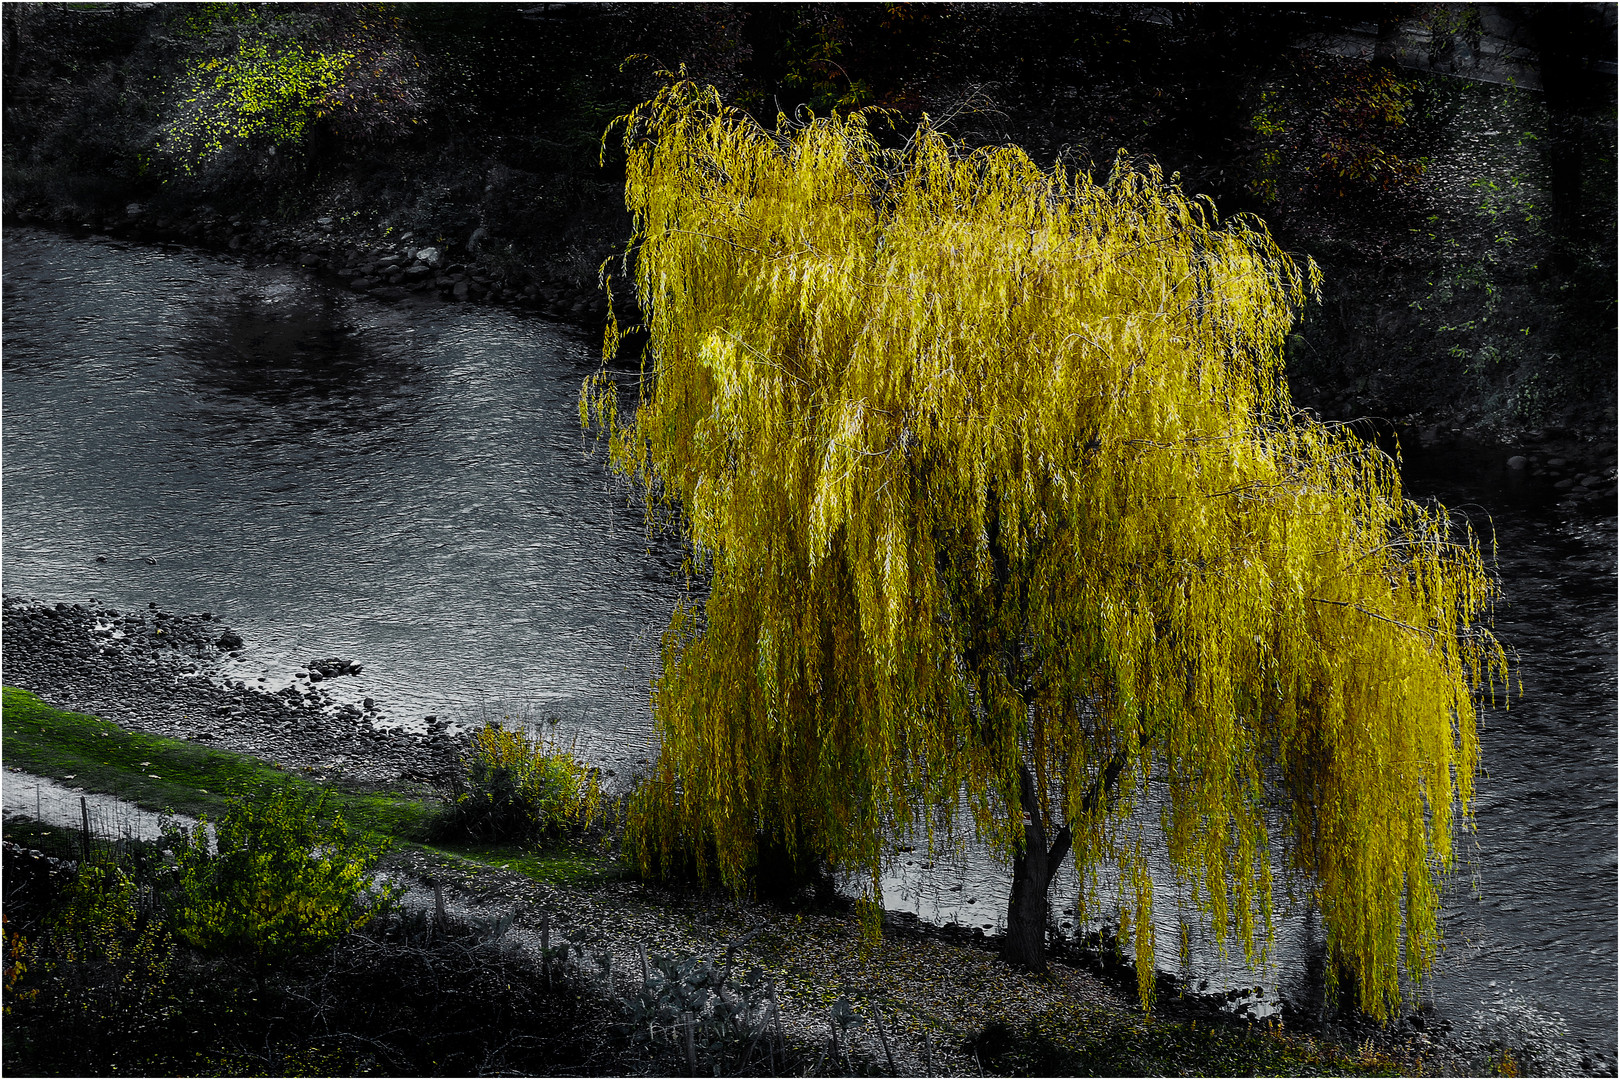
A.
x: 228, y: 640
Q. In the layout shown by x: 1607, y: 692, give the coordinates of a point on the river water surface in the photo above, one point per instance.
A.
x: 407, y: 486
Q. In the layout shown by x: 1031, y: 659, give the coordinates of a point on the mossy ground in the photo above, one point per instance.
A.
x: 565, y: 863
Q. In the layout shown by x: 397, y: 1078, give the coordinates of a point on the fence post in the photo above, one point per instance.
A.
x: 84, y: 813
x: 438, y: 905
x: 877, y: 1018
x: 646, y: 976
x: 691, y: 1051
x: 776, y: 1014
x: 545, y: 944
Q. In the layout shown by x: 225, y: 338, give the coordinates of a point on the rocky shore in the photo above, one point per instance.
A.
x: 383, y: 266
x: 158, y: 671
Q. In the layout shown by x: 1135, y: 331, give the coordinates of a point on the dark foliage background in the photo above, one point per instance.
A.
x: 1466, y: 228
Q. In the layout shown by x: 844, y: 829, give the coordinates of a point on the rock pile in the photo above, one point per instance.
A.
x: 331, y: 669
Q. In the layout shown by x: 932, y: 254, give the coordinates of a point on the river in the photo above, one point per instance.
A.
x: 407, y: 485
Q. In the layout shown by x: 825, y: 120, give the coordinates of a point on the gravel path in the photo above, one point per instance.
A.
x: 931, y: 988
x: 40, y: 798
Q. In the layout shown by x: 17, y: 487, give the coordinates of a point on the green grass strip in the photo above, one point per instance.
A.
x: 163, y: 774
x: 569, y: 863
x: 158, y: 773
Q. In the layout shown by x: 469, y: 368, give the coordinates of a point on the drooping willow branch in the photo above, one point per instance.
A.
x: 1105, y: 495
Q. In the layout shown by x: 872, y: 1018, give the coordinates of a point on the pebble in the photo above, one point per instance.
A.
x: 1518, y: 462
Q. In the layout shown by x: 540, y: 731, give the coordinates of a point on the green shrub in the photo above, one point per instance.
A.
x: 95, y: 987
x: 289, y: 877
x: 102, y: 989
x: 512, y: 786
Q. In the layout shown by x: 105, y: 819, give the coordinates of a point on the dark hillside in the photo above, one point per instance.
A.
x: 1451, y: 167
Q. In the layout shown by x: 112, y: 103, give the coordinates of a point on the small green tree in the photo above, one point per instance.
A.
x: 260, y: 79
x: 288, y: 877
x: 94, y: 987
x: 994, y: 477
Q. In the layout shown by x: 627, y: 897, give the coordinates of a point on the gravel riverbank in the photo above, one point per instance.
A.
x: 158, y: 671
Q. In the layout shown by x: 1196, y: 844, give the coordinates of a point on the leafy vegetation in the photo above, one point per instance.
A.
x: 107, y: 990
x: 514, y: 786
x: 260, y: 77
x: 101, y: 969
x: 288, y: 877
x: 698, y: 1004
x: 997, y: 488
x: 1344, y: 141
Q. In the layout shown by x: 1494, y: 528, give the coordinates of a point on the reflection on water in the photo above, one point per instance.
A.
x: 408, y: 487
x: 256, y: 359
x: 405, y: 487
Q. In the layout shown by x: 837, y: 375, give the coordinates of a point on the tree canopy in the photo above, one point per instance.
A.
x: 987, y: 465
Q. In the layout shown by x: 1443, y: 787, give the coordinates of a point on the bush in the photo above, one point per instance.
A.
x: 512, y: 786
x: 289, y: 877
x: 94, y: 990
x: 104, y: 994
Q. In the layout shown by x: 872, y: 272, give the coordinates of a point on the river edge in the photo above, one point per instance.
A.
x: 66, y: 654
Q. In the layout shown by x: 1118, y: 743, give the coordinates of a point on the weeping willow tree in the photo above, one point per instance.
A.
x: 1001, y: 504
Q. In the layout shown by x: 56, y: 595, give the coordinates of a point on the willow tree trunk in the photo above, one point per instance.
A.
x: 1033, y: 870
x: 1036, y: 865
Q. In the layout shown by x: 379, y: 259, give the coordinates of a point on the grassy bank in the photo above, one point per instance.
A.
x: 158, y: 774
x: 162, y: 774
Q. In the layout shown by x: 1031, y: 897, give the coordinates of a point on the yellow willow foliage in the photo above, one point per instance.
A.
x: 987, y: 464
